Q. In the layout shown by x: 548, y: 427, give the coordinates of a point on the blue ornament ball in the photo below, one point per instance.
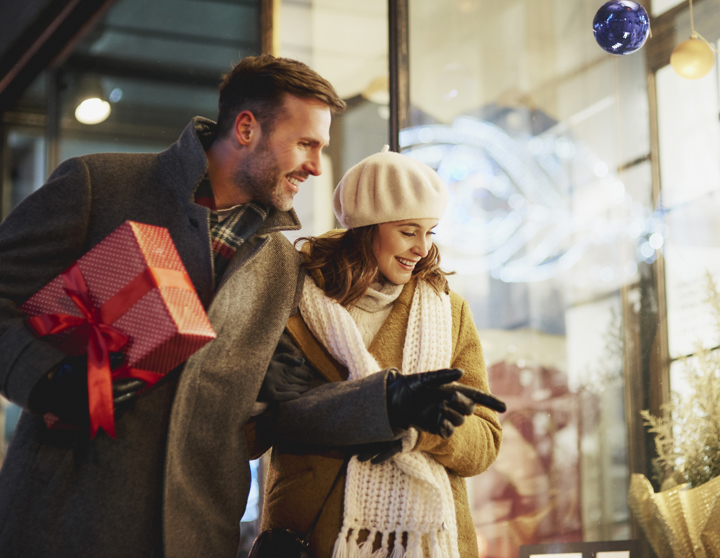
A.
x: 621, y: 26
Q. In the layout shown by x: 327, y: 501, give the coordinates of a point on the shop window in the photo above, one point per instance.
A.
x: 659, y: 7
x: 345, y: 42
x: 544, y: 142
x: 690, y: 170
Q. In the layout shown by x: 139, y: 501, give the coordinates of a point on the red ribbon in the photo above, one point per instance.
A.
x: 95, y: 332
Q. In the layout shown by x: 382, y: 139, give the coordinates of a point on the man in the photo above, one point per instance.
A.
x: 224, y: 192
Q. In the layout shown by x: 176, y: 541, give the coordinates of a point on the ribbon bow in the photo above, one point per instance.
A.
x: 100, y: 339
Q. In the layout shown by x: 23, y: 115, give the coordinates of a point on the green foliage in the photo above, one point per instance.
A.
x: 687, y: 437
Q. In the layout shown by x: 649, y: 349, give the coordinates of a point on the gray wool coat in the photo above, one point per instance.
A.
x: 177, y: 476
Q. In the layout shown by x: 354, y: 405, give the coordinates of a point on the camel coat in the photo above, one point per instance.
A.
x: 299, y: 477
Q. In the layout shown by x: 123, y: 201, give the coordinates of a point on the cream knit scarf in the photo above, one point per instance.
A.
x: 411, y: 493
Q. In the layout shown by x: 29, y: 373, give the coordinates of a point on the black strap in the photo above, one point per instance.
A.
x: 306, y: 539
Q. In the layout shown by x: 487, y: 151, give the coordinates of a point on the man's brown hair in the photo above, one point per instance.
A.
x: 259, y: 84
x: 344, y: 264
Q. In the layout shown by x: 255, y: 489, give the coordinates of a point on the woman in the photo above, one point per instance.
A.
x: 375, y: 298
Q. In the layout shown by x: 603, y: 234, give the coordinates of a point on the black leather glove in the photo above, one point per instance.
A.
x: 431, y: 402
x: 477, y: 396
x: 286, y: 378
x: 379, y: 452
x: 64, y: 392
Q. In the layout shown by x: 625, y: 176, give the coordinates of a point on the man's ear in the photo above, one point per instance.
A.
x: 246, y: 128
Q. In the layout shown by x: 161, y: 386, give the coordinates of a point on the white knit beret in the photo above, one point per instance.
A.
x: 389, y: 187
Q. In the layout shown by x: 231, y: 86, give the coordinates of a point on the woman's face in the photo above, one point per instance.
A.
x: 400, y: 245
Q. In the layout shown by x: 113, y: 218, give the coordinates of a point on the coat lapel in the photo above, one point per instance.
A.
x: 183, y: 165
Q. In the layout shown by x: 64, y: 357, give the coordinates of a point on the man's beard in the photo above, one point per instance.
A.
x: 259, y: 176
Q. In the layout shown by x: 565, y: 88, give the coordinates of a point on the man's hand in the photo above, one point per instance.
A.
x: 64, y: 391
x: 432, y: 402
x: 286, y: 378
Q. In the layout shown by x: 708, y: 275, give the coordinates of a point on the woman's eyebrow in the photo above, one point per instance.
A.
x: 415, y: 225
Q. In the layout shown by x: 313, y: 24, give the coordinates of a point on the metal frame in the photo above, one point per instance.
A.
x: 659, y: 389
x: 635, y: 548
x: 45, y: 43
x: 52, y: 122
x: 138, y: 70
x: 4, y: 183
x: 270, y: 26
x: 398, y: 36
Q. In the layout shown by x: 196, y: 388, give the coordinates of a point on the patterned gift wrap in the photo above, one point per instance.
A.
x: 140, y: 299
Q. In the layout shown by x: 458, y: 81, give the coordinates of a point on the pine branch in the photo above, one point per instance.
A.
x: 687, y: 437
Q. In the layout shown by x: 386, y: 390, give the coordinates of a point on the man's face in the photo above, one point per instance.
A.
x: 280, y: 162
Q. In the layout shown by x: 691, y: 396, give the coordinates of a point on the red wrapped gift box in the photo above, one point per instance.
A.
x: 129, y: 293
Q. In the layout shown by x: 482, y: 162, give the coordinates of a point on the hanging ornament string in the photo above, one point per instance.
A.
x: 694, y: 34
x: 693, y: 58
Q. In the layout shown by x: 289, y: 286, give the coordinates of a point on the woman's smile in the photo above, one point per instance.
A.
x: 407, y: 264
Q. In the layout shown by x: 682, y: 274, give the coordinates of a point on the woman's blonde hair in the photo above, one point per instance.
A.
x: 344, y: 265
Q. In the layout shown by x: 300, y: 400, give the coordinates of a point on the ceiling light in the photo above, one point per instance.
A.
x: 92, y: 107
x: 92, y: 111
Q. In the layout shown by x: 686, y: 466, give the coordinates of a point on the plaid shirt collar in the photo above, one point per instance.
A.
x: 228, y: 233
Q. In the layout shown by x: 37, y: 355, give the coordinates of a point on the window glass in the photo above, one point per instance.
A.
x: 659, y: 7
x: 544, y: 142
x: 346, y: 42
x: 689, y: 137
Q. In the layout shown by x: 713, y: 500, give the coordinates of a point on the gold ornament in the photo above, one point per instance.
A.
x: 692, y: 59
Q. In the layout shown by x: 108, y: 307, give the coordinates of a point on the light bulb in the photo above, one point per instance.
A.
x: 692, y: 59
x: 92, y: 111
